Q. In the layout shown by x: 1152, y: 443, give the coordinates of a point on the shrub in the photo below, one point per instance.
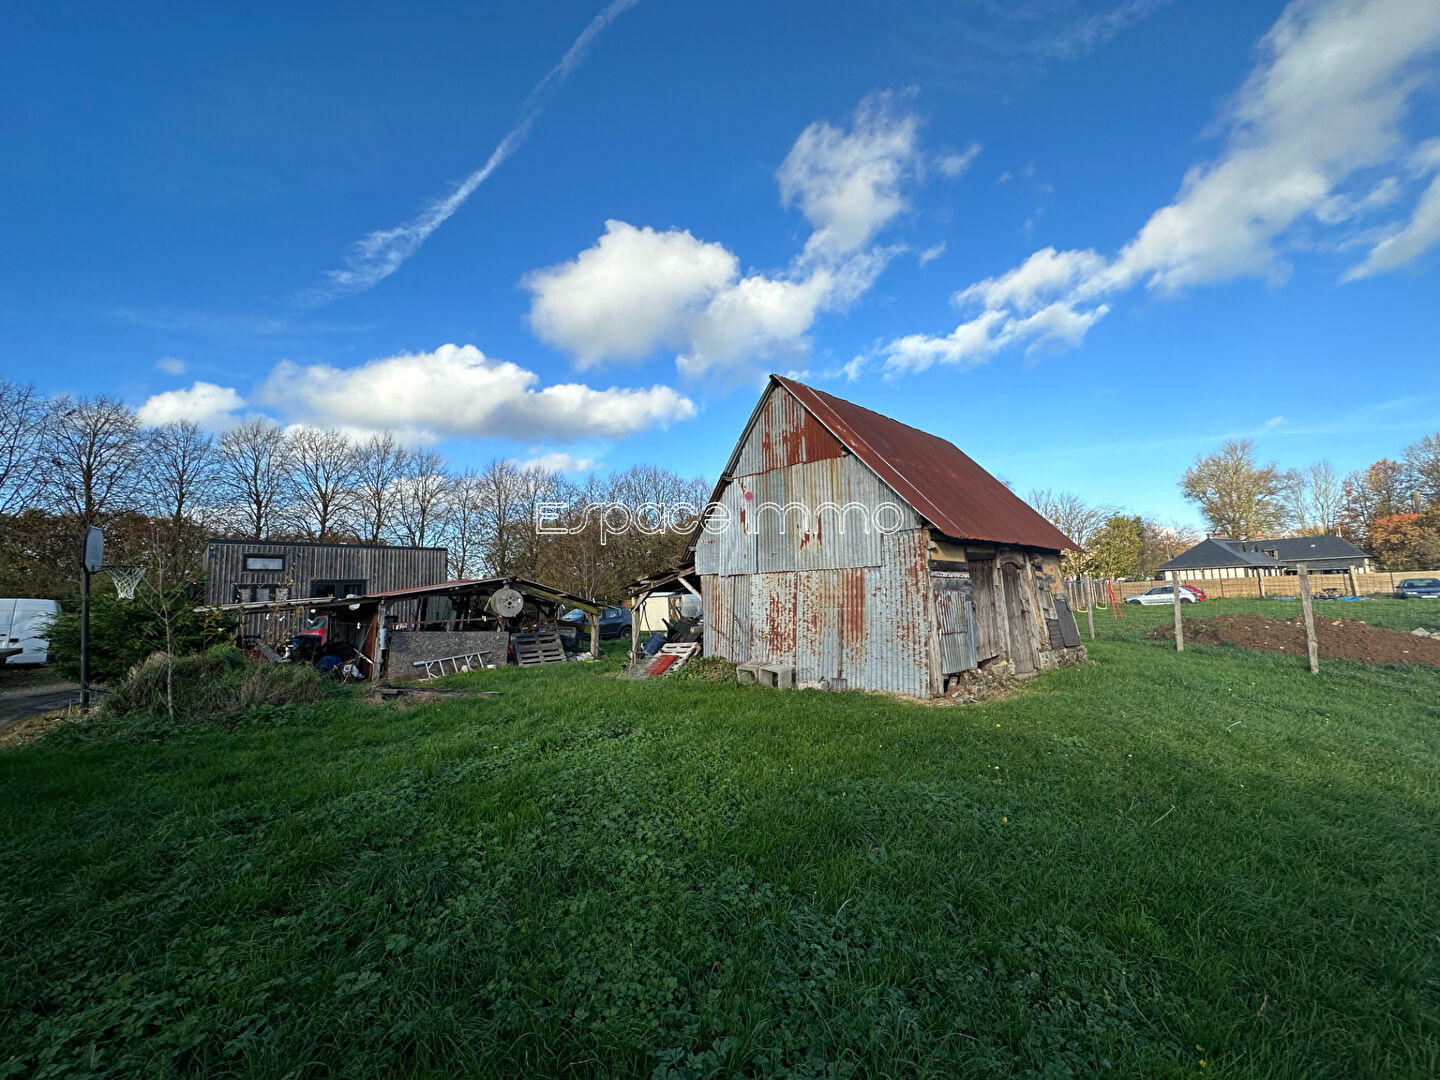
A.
x: 124, y: 632
x: 220, y: 684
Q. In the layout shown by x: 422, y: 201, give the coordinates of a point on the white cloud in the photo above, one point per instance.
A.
x: 1304, y: 139
x: 930, y: 254
x: 459, y: 391
x: 379, y: 254
x: 847, y: 183
x: 203, y: 403
x: 560, y: 462
x: 953, y: 165
x: 633, y: 289
x: 1418, y: 236
x: 637, y: 289
x: 170, y: 365
x: 1046, y: 273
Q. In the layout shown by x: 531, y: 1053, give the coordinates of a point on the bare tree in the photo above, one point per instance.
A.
x: 253, y: 475
x: 380, y: 465
x: 180, y: 476
x: 180, y: 472
x: 1422, y: 471
x: 1325, y: 496
x: 464, y: 534
x: 22, y: 428
x: 1239, y: 498
x: 420, y: 498
x: 323, y: 464
x: 500, y: 482
x: 91, y: 452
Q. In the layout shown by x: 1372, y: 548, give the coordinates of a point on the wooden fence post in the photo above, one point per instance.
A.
x: 1312, y: 646
x: 1179, y: 631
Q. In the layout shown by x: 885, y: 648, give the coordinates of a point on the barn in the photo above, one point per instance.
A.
x: 865, y: 554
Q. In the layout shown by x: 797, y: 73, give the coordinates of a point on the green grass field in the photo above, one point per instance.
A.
x: 1208, y: 864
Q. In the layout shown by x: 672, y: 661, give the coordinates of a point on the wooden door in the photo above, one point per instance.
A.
x: 989, y: 617
x: 1020, y: 624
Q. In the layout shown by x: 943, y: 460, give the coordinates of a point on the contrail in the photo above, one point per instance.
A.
x: 378, y: 255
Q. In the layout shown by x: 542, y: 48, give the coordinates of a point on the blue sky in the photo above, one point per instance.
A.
x: 1083, y: 241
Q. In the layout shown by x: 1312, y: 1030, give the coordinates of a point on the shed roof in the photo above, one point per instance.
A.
x: 469, y: 585
x: 942, y: 483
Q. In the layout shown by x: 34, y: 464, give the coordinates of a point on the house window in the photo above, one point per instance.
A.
x: 249, y: 593
x: 264, y: 563
x: 337, y: 588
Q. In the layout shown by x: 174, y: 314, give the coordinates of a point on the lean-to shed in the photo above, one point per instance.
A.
x: 867, y: 554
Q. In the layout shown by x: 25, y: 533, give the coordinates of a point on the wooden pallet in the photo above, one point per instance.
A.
x: 680, y: 651
x: 538, y: 647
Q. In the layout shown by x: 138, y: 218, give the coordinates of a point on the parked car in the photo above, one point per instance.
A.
x: 1412, y: 588
x: 25, y: 625
x: 1164, y: 594
x: 614, y: 620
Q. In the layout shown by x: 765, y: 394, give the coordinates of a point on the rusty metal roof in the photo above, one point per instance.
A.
x: 464, y: 585
x: 935, y: 477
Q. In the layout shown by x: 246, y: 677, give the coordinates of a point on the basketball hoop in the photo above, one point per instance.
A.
x: 125, y: 580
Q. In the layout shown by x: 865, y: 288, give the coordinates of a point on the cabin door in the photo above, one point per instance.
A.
x: 989, y: 617
x: 1022, y: 636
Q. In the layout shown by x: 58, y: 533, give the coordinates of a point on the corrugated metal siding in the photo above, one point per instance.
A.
x: 772, y: 618
x: 897, y: 632
x: 784, y: 434
x: 815, y: 533
x: 727, y: 617
x: 955, y: 620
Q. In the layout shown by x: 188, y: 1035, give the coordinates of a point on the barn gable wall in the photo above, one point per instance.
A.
x: 892, y: 608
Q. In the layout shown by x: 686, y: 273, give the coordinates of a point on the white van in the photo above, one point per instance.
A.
x: 25, y: 625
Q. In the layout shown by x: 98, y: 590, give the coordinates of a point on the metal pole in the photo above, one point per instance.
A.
x: 1090, y: 606
x: 1312, y: 646
x: 1179, y: 631
x: 84, y: 638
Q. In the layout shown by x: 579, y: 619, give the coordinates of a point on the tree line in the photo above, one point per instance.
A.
x: 1390, y: 509
x: 67, y: 462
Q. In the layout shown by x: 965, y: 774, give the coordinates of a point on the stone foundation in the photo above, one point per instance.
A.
x: 404, y: 647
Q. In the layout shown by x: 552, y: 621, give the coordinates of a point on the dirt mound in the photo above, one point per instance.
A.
x: 1340, y: 639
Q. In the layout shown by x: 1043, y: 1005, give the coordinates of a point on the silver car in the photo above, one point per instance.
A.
x: 1163, y: 594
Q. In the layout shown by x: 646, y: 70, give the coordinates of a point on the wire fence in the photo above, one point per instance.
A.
x: 1085, y: 590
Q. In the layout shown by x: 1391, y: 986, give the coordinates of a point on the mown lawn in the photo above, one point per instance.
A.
x: 1211, y: 864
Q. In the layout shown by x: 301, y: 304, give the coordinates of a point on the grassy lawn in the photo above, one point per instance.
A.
x: 1210, y: 864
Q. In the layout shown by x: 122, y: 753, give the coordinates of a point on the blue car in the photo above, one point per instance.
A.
x: 1419, y: 588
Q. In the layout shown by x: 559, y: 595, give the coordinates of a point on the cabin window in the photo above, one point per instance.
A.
x: 337, y: 589
x: 249, y: 593
x: 264, y: 563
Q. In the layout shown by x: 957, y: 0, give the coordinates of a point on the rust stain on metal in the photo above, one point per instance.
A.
x: 934, y: 476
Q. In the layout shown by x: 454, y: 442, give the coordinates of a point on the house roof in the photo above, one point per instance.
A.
x: 1216, y: 552
x: 942, y: 483
x: 1298, y: 548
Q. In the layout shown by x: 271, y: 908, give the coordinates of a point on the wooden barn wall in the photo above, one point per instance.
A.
x: 380, y: 567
